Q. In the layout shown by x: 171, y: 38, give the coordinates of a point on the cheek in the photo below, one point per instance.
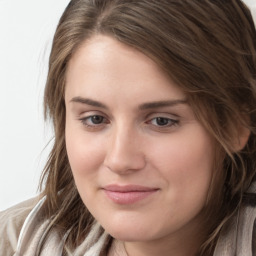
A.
x: 186, y: 163
x: 184, y: 153
x: 85, y: 153
x: 85, y: 158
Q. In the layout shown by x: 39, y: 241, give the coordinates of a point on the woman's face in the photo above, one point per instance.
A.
x: 141, y: 161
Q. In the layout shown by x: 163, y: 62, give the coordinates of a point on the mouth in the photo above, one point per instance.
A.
x: 128, y: 194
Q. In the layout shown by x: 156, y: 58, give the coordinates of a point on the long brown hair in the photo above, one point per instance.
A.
x: 208, y: 48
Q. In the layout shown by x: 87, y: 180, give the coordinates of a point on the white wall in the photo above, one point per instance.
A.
x: 26, y: 28
x: 252, y: 6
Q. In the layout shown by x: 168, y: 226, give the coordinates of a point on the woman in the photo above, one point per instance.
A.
x: 153, y: 105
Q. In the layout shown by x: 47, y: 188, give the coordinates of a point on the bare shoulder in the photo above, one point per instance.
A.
x: 11, y: 221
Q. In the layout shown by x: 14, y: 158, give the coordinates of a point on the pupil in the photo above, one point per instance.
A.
x: 162, y: 121
x: 97, y: 119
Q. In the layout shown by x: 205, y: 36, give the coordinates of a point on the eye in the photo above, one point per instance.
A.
x: 94, y: 120
x: 163, y: 122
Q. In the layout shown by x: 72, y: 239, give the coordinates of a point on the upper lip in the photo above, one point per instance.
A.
x: 128, y: 188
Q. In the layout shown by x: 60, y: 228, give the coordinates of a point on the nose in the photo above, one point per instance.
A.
x: 124, y: 152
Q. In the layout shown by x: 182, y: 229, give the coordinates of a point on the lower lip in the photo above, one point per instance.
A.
x: 129, y: 197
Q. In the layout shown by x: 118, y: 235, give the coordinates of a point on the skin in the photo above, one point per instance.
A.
x: 126, y: 143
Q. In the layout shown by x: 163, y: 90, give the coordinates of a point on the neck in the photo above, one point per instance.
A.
x: 185, y: 241
x: 178, y: 246
x: 184, y: 247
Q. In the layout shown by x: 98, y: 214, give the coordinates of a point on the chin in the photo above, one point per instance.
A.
x: 122, y: 236
x: 131, y: 233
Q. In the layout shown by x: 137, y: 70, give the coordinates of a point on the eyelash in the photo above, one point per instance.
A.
x: 93, y: 125
x: 169, y: 122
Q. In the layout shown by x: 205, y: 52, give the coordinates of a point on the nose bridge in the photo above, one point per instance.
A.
x: 124, y: 152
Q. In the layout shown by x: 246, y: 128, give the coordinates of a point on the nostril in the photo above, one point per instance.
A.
x: 125, y: 163
x: 123, y: 153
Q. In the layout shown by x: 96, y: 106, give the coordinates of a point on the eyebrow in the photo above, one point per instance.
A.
x: 160, y: 104
x: 87, y: 101
x: 144, y: 106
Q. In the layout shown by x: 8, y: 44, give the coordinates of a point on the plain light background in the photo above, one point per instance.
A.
x: 27, y: 28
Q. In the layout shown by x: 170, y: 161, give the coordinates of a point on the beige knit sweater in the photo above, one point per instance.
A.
x: 22, y: 229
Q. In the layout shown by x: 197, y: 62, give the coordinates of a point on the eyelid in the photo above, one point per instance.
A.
x: 93, y: 127
x: 91, y: 116
x: 173, y: 121
x: 167, y: 118
x: 162, y: 114
x: 89, y: 113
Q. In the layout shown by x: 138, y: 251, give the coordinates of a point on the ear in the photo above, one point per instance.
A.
x: 241, y: 138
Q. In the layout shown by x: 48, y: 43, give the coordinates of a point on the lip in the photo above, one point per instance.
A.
x: 128, y: 194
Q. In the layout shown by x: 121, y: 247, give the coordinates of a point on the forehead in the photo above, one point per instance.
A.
x: 102, y: 66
